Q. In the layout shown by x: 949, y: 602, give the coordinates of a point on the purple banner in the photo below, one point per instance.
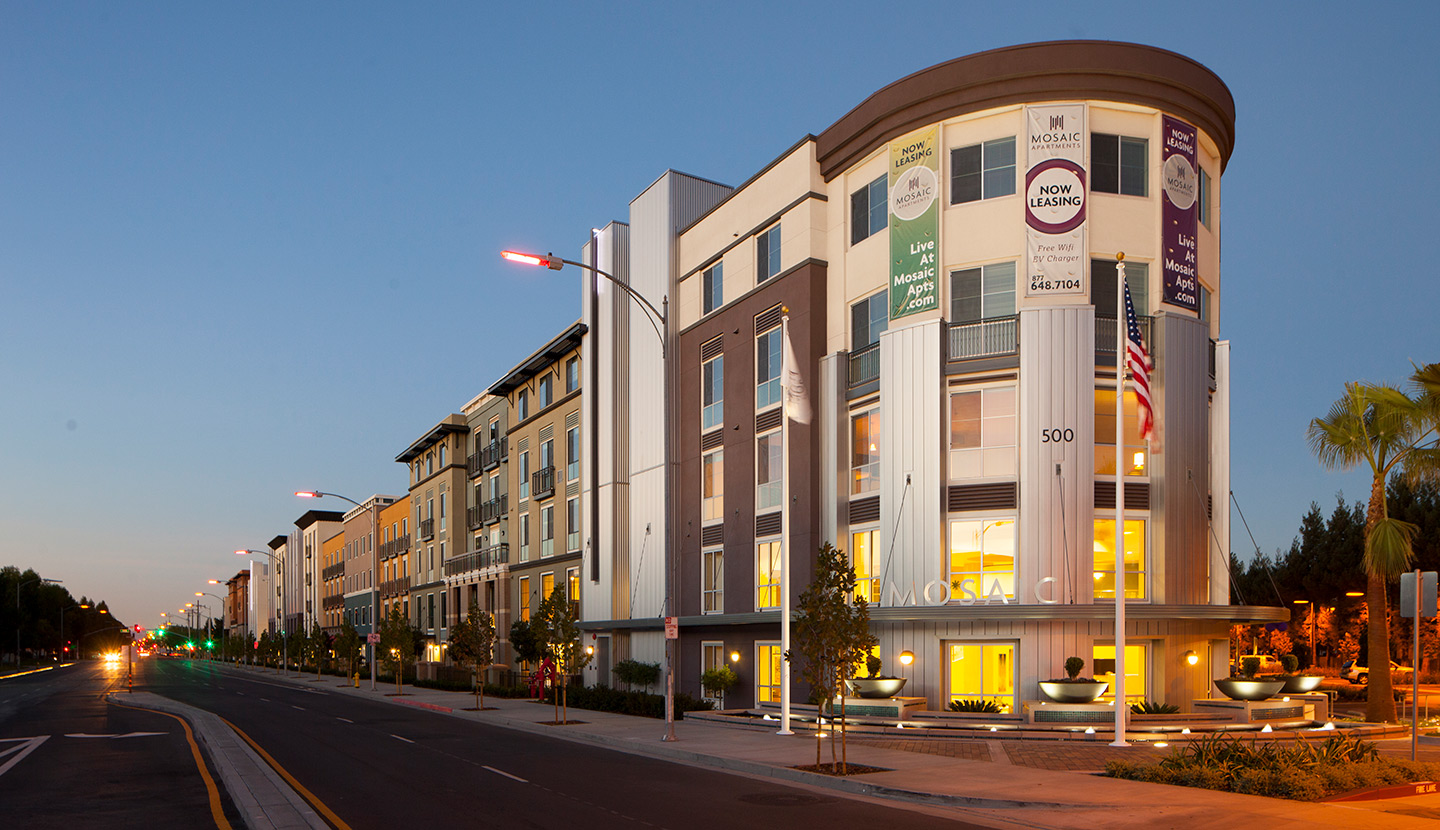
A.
x: 1180, y: 183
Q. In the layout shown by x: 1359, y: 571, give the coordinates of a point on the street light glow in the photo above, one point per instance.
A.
x: 549, y: 260
x: 307, y: 494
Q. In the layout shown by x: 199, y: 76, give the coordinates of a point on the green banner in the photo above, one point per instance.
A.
x: 914, y: 223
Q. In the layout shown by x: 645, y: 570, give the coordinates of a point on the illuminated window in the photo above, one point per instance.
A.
x: 982, y: 557
x: 767, y: 575
x: 1137, y: 449
x: 768, y: 659
x: 862, y: 556
x: 1137, y: 672
x: 865, y: 452
x: 982, y: 433
x: 1136, y: 557
x: 712, y: 482
x: 524, y: 592
x: 712, y: 581
x: 547, y: 585
x: 983, y: 671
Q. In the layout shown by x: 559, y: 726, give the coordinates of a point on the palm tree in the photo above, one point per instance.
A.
x: 1386, y: 430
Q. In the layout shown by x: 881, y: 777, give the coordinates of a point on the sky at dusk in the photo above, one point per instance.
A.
x: 247, y: 249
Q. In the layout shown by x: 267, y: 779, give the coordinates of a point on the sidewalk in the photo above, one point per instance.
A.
x: 1058, y: 790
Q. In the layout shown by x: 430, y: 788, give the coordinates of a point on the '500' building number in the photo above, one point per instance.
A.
x: 1057, y: 436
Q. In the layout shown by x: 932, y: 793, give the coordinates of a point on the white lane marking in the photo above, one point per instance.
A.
x: 28, y: 746
x: 347, y: 720
x: 113, y: 736
x: 506, y: 774
x: 398, y: 738
x: 266, y: 699
x: 293, y: 706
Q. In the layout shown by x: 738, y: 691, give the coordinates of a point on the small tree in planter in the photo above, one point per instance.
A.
x: 718, y: 680
x: 831, y: 635
x: 527, y: 640
x: 472, y: 643
x: 397, y: 645
x: 1072, y: 688
x: 347, y: 648
x: 319, y: 646
x: 564, y: 645
x: 635, y: 673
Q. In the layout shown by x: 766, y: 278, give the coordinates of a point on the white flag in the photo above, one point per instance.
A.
x: 797, y: 402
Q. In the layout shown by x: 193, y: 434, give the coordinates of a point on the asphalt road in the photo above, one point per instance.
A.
x: 70, y: 760
x: 382, y: 766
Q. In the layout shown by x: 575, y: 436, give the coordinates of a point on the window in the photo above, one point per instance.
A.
x: 495, y: 486
x: 572, y: 586
x: 547, y: 390
x: 712, y: 483
x: 1204, y: 304
x: 862, y: 557
x: 983, y: 671
x: 522, y: 405
x: 494, y: 429
x: 865, y: 452
x: 1136, y: 556
x: 982, y: 171
x: 547, y: 585
x: 524, y: 471
x: 767, y: 254
x: 767, y: 368
x: 572, y: 375
x: 712, y: 288
x: 712, y: 656
x: 712, y: 581
x: 443, y: 499
x: 983, y: 433
x: 982, y: 559
x: 1117, y: 164
x: 768, y: 659
x: 547, y: 531
x: 1102, y: 288
x: 1102, y: 659
x: 768, y: 564
x: 869, y: 210
x: 524, y: 537
x: 1136, y: 448
x: 767, y: 471
x: 524, y: 592
x: 547, y: 454
x: 712, y: 393
x: 572, y: 524
x: 1203, y: 205
x: 572, y: 453
x: 430, y: 612
x: 983, y: 293
x: 868, y: 318
x: 429, y: 463
x: 442, y: 456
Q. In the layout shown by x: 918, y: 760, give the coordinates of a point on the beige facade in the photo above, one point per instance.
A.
x: 438, y: 497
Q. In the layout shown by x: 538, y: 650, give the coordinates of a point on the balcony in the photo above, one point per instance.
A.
x: 427, y: 529
x: 333, y: 571
x: 542, y: 483
x: 473, y: 517
x: 463, y: 564
x: 865, y: 365
x: 494, y: 510
x: 1105, y: 336
x: 395, y: 547
x: 495, y: 555
x: 395, y: 587
x: 331, y: 603
x: 995, y: 337
x: 472, y: 464
x: 493, y: 453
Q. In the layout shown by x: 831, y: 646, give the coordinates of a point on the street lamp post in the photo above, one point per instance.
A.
x: 374, y: 567
x: 18, y: 586
x: 284, y: 632
x: 659, y: 321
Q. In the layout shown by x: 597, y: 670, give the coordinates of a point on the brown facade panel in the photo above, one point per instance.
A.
x: 1003, y: 495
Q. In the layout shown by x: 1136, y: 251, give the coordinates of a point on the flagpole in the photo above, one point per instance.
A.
x: 785, y: 529
x: 1122, y: 331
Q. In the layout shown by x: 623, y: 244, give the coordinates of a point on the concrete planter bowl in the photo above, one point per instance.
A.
x: 876, y: 687
x: 1237, y: 688
x: 1301, y: 684
x: 1073, y: 691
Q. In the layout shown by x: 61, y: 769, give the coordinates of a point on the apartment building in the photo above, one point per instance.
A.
x: 304, y: 550
x: 943, y: 261
x: 543, y: 395
x: 482, y: 576
x: 237, y: 605
x: 361, y: 524
x: 395, y: 557
x: 438, y: 488
x: 332, y: 577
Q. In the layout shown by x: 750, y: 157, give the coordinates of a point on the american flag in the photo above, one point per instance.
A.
x: 1137, y: 360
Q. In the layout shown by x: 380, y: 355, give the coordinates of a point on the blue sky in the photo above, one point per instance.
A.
x: 247, y: 249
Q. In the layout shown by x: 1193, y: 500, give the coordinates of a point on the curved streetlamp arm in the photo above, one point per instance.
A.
x: 656, y: 317
x: 315, y: 494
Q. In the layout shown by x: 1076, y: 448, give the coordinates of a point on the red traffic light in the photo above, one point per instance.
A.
x: 139, y: 629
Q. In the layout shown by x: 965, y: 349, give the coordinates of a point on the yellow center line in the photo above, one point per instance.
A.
x: 216, y: 812
x: 314, y: 800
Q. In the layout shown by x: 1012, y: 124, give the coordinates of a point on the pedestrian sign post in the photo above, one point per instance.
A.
x: 372, y: 638
x: 672, y: 628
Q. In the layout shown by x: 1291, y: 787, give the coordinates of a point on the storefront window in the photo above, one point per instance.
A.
x: 982, y: 557
x: 1137, y: 670
x: 983, y: 671
x: 1136, y: 557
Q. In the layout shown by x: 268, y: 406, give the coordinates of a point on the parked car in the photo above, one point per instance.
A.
x: 1361, y: 674
x: 1269, y: 663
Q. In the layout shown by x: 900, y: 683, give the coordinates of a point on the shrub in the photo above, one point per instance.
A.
x: 1154, y: 707
x: 1290, y: 663
x: 1249, y: 666
x: 635, y: 673
x: 986, y: 706
x: 1073, y: 667
x: 605, y: 699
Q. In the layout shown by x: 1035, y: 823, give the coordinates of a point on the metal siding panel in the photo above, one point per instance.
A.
x: 910, y: 417
x: 1180, y: 533
x: 1217, y: 561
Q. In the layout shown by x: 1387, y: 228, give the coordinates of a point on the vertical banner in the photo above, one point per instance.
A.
x: 1055, y: 200
x: 1178, y: 215
x: 914, y: 223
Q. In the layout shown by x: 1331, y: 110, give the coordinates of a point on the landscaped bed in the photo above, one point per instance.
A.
x: 1303, y: 770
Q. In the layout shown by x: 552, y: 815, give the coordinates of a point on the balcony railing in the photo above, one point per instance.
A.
x: 865, y: 364
x: 395, y: 547
x: 495, y: 555
x: 1105, y: 335
x: 994, y: 337
x: 473, y: 518
x: 542, y: 483
x: 494, y: 510
x: 463, y: 564
x: 493, y: 453
x: 427, y: 528
x: 332, y: 602
x: 472, y: 464
x: 395, y: 587
x: 1212, y: 360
